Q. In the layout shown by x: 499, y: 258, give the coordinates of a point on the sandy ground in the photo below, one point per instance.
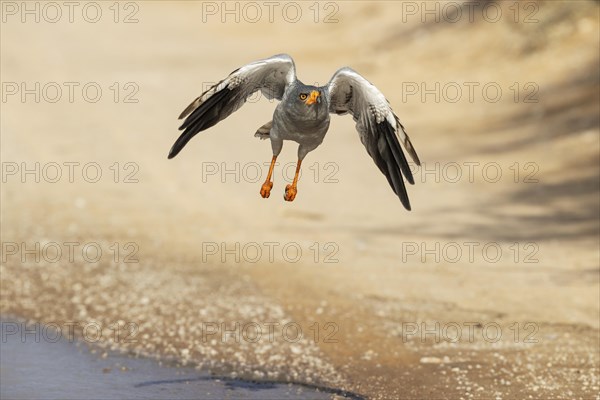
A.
x: 489, y: 288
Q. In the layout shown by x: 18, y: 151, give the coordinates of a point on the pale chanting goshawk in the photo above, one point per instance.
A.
x: 303, y: 116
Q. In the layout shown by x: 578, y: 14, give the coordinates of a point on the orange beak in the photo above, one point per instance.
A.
x: 312, y: 99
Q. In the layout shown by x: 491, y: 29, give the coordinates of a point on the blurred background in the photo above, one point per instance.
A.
x: 489, y: 288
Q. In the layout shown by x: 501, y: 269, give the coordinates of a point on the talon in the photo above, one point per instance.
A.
x: 290, y: 193
x: 265, y: 190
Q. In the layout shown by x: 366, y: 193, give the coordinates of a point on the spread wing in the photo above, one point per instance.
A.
x: 271, y: 76
x: 379, y: 128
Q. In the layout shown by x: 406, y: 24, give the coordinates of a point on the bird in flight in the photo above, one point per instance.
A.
x: 303, y: 114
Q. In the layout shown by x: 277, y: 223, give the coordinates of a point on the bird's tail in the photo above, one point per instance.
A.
x: 263, y: 132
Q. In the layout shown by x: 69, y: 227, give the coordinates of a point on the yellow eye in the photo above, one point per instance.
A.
x: 303, y: 96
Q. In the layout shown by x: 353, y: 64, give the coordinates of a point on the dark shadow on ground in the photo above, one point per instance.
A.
x: 254, y: 385
x: 567, y: 208
x: 567, y: 108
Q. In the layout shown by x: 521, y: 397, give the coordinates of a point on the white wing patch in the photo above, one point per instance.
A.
x: 350, y: 92
x: 380, y: 113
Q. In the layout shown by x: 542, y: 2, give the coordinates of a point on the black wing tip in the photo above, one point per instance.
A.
x: 179, y: 145
x: 172, y: 153
x: 403, y: 196
x: 413, y: 155
x: 203, y: 117
x: 392, y: 162
x: 387, y: 130
x: 407, y: 143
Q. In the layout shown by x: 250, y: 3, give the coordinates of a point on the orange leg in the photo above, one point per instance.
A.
x: 292, y: 190
x: 265, y: 190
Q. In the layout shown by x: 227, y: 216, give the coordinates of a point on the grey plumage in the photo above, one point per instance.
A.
x: 303, y: 114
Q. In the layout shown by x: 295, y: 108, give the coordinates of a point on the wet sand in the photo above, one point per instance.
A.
x: 366, y: 288
x: 40, y: 363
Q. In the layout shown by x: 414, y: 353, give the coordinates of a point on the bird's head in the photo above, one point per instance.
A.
x: 308, y: 100
x: 310, y: 96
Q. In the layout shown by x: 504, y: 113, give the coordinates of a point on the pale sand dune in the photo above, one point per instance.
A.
x: 374, y: 288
